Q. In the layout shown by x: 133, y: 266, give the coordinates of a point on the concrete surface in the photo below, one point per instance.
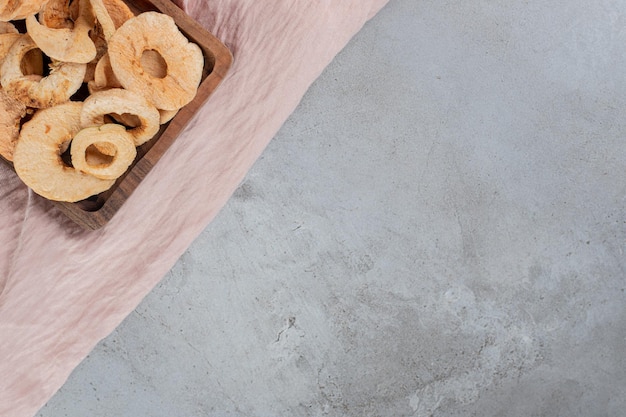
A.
x: 438, y: 230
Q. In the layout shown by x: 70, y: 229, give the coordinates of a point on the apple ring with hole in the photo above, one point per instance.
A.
x: 104, y: 79
x: 153, y: 31
x: 32, y: 63
x: 65, y: 44
x: 104, y: 151
x: 37, y: 156
x: 34, y: 90
x: 120, y: 102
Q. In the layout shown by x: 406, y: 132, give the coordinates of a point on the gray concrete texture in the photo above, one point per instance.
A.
x: 438, y: 230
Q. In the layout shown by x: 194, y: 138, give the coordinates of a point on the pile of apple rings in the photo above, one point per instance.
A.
x: 138, y: 70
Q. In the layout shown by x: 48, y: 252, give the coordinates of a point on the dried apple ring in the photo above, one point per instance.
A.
x: 37, y: 156
x: 118, y: 101
x: 11, y: 113
x: 32, y: 63
x: 104, y: 77
x: 65, y: 78
x: 64, y: 44
x: 153, y: 31
x: 104, y: 151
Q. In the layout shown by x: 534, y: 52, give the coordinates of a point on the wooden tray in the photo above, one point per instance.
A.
x: 96, y: 211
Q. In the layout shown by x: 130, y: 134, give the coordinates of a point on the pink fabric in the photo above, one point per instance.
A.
x: 63, y: 289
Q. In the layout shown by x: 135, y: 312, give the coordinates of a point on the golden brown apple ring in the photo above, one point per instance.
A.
x: 32, y: 63
x: 120, y: 102
x: 109, y: 140
x: 157, y: 32
x: 65, y: 78
x: 11, y: 113
x: 104, y: 79
x: 64, y: 44
x: 37, y: 157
